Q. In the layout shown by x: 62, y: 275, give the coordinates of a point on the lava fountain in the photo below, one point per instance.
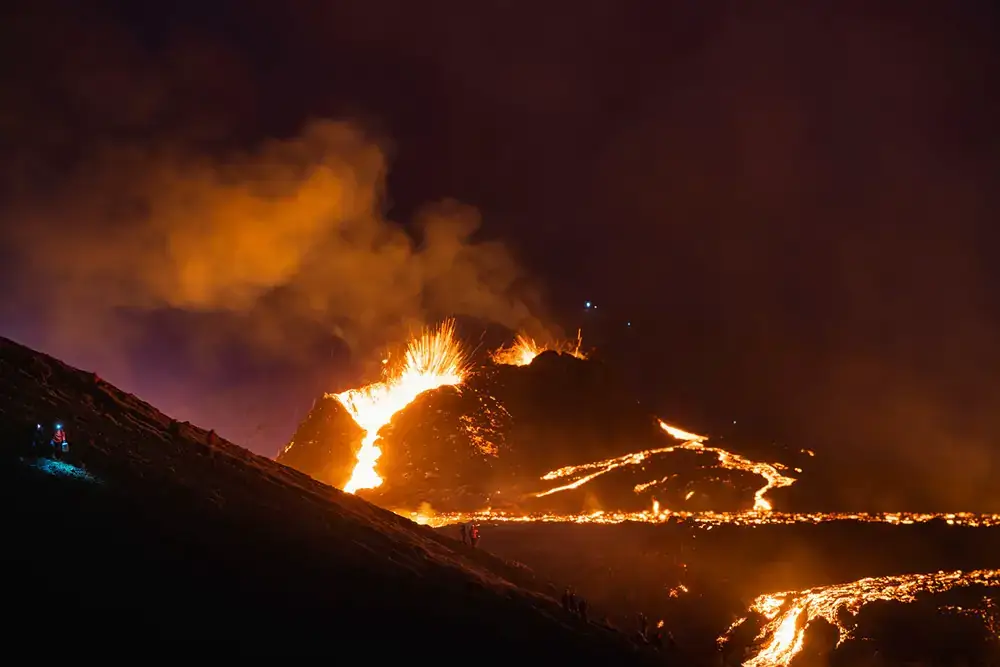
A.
x: 433, y: 359
x: 524, y: 350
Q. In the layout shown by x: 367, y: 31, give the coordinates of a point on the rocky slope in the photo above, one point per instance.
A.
x: 175, y: 536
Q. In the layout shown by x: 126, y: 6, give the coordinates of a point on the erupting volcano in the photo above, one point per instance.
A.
x: 438, y: 430
x: 537, y: 435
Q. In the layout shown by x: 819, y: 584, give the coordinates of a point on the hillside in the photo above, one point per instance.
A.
x: 175, y: 535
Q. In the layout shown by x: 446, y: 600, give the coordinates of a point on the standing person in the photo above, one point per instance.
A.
x: 465, y: 533
x: 475, y: 535
x: 60, y: 445
x: 39, y: 443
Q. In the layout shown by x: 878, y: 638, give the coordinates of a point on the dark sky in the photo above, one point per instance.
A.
x: 229, y: 206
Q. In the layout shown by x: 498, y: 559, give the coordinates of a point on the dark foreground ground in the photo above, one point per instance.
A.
x: 175, y: 539
x: 700, y: 581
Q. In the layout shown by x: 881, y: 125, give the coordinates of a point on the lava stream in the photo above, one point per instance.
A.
x: 709, y: 520
x: 771, y: 472
x: 789, y: 613
x: 433, y: 359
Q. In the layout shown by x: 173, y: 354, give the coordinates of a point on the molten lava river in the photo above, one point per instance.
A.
x: 436, y: 358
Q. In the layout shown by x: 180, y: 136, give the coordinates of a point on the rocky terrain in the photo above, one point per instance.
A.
x: 488, y: 441
x: 699, y: 582
x: 159, y: 531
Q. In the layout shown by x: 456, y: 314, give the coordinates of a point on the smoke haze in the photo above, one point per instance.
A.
x: 140, y: 234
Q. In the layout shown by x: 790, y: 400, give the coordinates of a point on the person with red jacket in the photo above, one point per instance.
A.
x: 59, y: 443
x: 475, y: 534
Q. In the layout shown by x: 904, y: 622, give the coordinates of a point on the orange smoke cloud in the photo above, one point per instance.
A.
x: 301, y: 216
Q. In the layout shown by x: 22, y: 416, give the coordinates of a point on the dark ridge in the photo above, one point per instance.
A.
x: 175, y: 535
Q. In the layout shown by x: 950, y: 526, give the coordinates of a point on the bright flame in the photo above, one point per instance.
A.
x: 681, y: 434
x: 789, y: 613
x: 433, y: 359
x: 525, y: 349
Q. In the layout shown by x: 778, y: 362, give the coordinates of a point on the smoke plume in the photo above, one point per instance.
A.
x: 303, y: 217
x: 155, y: 231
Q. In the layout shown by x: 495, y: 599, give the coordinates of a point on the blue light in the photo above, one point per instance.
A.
x: 63, y: 469
x: 628, y: 324
x: 587, y: 304
x: 58, y: 426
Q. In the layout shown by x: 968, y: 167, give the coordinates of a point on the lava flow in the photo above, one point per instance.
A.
x: 433, y: 359
x: 789, y: 613
x: 709, y: 520
x: 525, y: 349
x: 769, y: 471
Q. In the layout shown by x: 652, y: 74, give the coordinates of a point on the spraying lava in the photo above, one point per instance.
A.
x: 789, y: 613
x: 433, y: 359
x: 771, y: 472
x: 525, y: 349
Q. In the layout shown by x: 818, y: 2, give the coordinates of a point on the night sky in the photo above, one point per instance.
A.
x: 230, y: 206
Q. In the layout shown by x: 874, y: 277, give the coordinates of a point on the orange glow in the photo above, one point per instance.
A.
x: 525, y: 349
x: 771, y: 472
x: 789, y: 613
x: 433, y: 359
x: 709, y: 519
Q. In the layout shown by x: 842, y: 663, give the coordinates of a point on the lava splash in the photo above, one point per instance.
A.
x: 524, y: 350
x: 433, y: 359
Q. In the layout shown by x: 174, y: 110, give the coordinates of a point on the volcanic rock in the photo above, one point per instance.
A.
x: 488, y: 442
x: 326, y: 442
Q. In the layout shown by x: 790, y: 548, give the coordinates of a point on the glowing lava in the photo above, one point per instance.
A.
x: 525, y: 349
x: 789, y: 613
x: 708, y: 520
x: 433, y: 359
x: 771, y: 472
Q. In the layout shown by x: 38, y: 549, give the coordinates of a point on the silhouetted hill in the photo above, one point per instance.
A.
x: 175, y: 535
x: 488, y: 441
